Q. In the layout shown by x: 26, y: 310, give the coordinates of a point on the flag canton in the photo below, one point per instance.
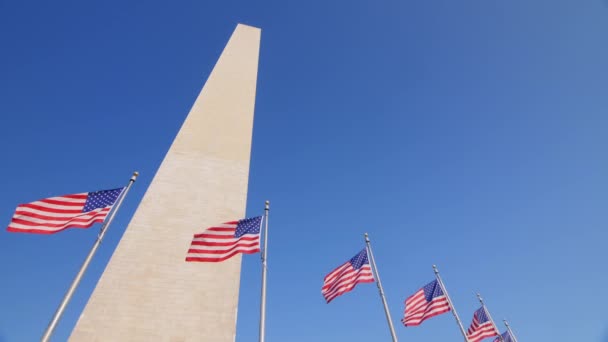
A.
x: 432, y: 290
x: 506, y: 337
x: 248, y: 226
x: 481, y: 315
x: 359, y: 260
x: 101, y: 199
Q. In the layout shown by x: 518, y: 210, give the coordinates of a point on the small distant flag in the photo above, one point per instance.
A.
x: 54, y: 214
x: 344, y: 278
x: 506, y: 337
x: 428, y: 302
x: 481, y: 327
x: 226, y: 240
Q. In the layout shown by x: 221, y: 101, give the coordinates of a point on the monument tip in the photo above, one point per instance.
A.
x: 248, y: 26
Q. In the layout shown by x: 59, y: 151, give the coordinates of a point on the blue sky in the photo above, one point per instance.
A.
x: 468, y: 134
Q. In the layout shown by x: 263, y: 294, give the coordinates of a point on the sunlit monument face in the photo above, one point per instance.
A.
x: 147, y: 291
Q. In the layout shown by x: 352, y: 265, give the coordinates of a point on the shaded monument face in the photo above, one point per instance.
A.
x: 147, y: 291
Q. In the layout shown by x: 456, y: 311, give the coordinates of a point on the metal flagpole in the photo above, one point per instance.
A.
x: 87, y: 261
x: 483, y: 305
x: 379, y: 284
x: 464, y: 333
x: 264, y: 267
x: 509, y: 330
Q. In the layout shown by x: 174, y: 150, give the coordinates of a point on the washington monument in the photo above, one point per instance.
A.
x: 147, y: 291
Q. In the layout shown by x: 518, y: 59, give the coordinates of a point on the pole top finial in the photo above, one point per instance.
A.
x: 506, y: 323
x: 366, y: 237
x: 267, y: 204
x: 435, y: 269
x: 479, y: 297
x: 135, y: 175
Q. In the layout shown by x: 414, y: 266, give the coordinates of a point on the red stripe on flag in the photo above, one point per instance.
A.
x: 220, y: 244
x: 207, y: 259
x: 222, y: 251
x: 51, y: 210
x: 42, y: 231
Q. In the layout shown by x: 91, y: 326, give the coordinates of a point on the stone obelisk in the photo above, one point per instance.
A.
x: 147, y: 291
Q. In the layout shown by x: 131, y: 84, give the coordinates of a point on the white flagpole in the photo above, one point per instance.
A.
x: 264, y: 267
x: 380, y: 289
x: 483, y: 305
x: 509, y: 330
x: 464, y: 333
x: 68, y: 296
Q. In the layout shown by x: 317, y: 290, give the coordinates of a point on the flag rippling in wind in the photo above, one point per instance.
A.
x: 344, y: 278
x: 506, y: 337
x: 226, y: 240
x: 427, y: 302
x: 54, y: 214
x: 481, y: 327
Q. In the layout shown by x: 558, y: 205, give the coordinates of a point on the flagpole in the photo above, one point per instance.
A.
x: 264, y: 267
x: 483, y: 305
x: 379, y: 284
x: 68, y: 296
x: 509, y: 330
x: 464, y: 333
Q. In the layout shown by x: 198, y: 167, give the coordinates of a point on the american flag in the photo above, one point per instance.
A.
x: 344, y: 278
x: 226, y: 240
x: 54, y: 214
x: 428, y: 302
x: 506, y: 337
x: 481, y: 327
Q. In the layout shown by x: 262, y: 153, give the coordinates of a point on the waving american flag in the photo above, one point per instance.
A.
x: 427, y: 302
x: 222, y: 242
x: 54, y: 214
x: 481, y: 327
x: 344, y: 278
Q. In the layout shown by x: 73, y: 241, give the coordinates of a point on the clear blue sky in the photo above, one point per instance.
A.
x: 471, y: 134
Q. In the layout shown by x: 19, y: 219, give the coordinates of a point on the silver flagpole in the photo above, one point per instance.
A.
x: 264, y: 267
x: 483, y: 305
x: 87, y: 261
x: 509, y: 330
x: 379, y: 284
x: 464, y: 333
